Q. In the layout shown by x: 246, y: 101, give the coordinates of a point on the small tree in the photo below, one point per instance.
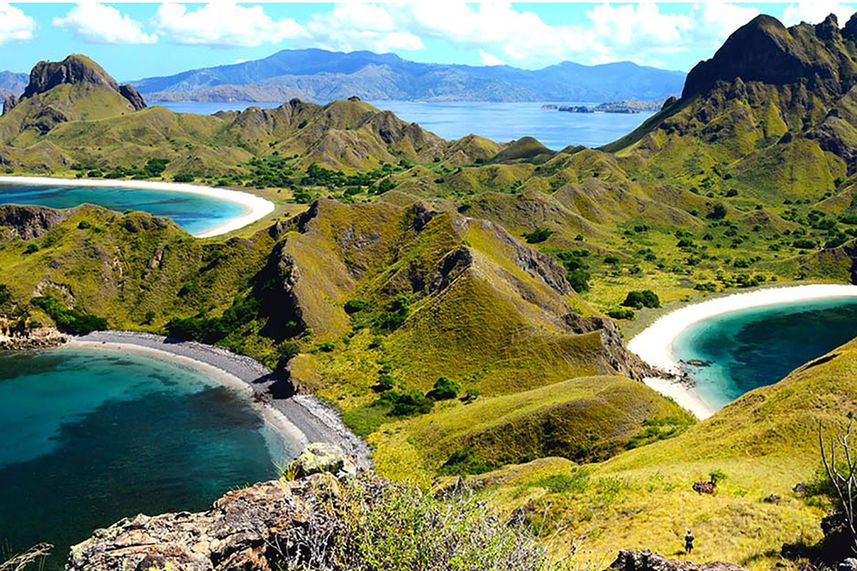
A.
x: 444, y: 389
x: 842, y: 473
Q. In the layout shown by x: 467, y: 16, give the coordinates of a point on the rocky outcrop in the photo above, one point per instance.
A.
x: 9, y: 103
x: 28, y: 222
x: 133, y: 96
x: 39, y: 338
x: 75, y: 69
x: 321, y: 457
x: 764, y: 50
x: 647, y: 561
x: 253, y: 528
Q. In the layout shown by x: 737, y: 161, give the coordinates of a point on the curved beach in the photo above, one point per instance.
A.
x: 655, y: 345
x: 299, y: 419
x: 255, y: 207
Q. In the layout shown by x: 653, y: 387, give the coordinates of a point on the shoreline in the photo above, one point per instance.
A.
x: 255, y: 207
x: 655, y: 344
x: 299, y: 420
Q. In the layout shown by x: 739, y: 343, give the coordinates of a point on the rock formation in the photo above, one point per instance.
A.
x: 248, y: 529
x: 629, y: 560
x: 76, y: 68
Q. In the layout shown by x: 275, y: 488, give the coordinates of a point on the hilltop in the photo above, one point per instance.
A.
x: 319, y: 75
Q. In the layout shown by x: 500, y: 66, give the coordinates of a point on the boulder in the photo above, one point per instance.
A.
x: 245, y: 529
x: 629, y: 560
x: 323, y: 457
x: 704, y: 487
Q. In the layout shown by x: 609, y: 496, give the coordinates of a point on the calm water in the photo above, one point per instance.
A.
x: 756, y: 347
x: 92, y: 436
x: 496, y: 121
x: 195, y: 213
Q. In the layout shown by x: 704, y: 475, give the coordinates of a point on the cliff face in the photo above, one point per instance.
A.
x: 764, y: 50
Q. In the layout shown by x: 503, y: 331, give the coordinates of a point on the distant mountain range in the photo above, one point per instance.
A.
x: 321, y: 75
x: 12, y: 83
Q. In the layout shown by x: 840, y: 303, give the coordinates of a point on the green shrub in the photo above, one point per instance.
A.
x: 183, y: 177
x: 716, y: 476
x: 621, y: 313
x: 641, y: 299
x: 407, y: 403
x: 69, y: 320
x: 285, y: 353
x: 445, y: 389
x: 377, y: 526
x: 537, y: 236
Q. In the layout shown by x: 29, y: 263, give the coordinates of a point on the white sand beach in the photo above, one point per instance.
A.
x: 255, y: 207
x: 655, y: 344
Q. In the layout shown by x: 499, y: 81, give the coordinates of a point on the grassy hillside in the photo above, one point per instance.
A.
x: 764, y: 444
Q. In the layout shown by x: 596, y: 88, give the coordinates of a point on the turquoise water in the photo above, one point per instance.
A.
x: 92, y: 436
x: 195, y: 213
x: 755, y: 347
x: 496, y: 121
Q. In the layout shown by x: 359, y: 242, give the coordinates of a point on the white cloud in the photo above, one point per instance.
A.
x: 360, y: 26
x: 490, y: 59
x: 14, y: 24
x: 641, y: 32
x: 815, y: 11
x: 223, y: 24
x: 102, y: 24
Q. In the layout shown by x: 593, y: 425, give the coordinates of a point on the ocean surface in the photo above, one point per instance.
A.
x: 195, y: 213
x: 497, y: 121
x: 92, y: 436
x: 755, y: 347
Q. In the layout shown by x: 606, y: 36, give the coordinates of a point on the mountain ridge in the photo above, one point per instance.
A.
x: 322, y: 75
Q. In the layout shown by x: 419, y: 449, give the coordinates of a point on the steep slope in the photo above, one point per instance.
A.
x: 320, y: 75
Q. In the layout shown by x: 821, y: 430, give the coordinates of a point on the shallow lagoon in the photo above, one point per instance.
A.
x: 193, y: 212
x: 92, y: 436
x: 754, y: 347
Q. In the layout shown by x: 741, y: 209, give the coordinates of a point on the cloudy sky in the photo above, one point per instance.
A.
x: 140, y: 40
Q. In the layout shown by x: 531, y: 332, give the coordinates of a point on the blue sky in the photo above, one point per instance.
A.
x: 140, y: 40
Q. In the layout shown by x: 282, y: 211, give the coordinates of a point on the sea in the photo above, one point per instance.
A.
x: 195, y: 213
x: 499, y: 122
x: 754, y: 347
x: 91, y: 436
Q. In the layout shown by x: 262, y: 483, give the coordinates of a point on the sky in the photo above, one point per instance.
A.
x: 136, y: 40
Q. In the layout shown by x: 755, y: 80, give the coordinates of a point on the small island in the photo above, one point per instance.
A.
x: 629, y: 106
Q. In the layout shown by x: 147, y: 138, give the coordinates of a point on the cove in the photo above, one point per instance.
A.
x: 91, y: 436
x: 758, y: 346
x: 200, y: 211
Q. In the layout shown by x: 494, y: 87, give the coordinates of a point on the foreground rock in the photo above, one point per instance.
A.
x: 15, y: 335
x: 253, y: 528
x: 647, y: 561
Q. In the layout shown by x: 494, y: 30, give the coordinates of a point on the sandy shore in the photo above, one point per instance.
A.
x: 255, y: 207
x: 300, y: 419
x: 655, y: 344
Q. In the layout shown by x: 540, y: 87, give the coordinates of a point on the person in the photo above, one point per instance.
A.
x: 688, y: 542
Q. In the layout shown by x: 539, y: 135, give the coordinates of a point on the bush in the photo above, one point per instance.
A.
x: 804, y: 244
x: 621, y: 313
x: 537, y: 236
x: 69, y: 320
x: 183, y: 177
x: 445, y: 389
x: 717, y: 213
x: 641, y: 299
x: 407, y: 403
x: 376, y: 526
x: 285, y: 353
